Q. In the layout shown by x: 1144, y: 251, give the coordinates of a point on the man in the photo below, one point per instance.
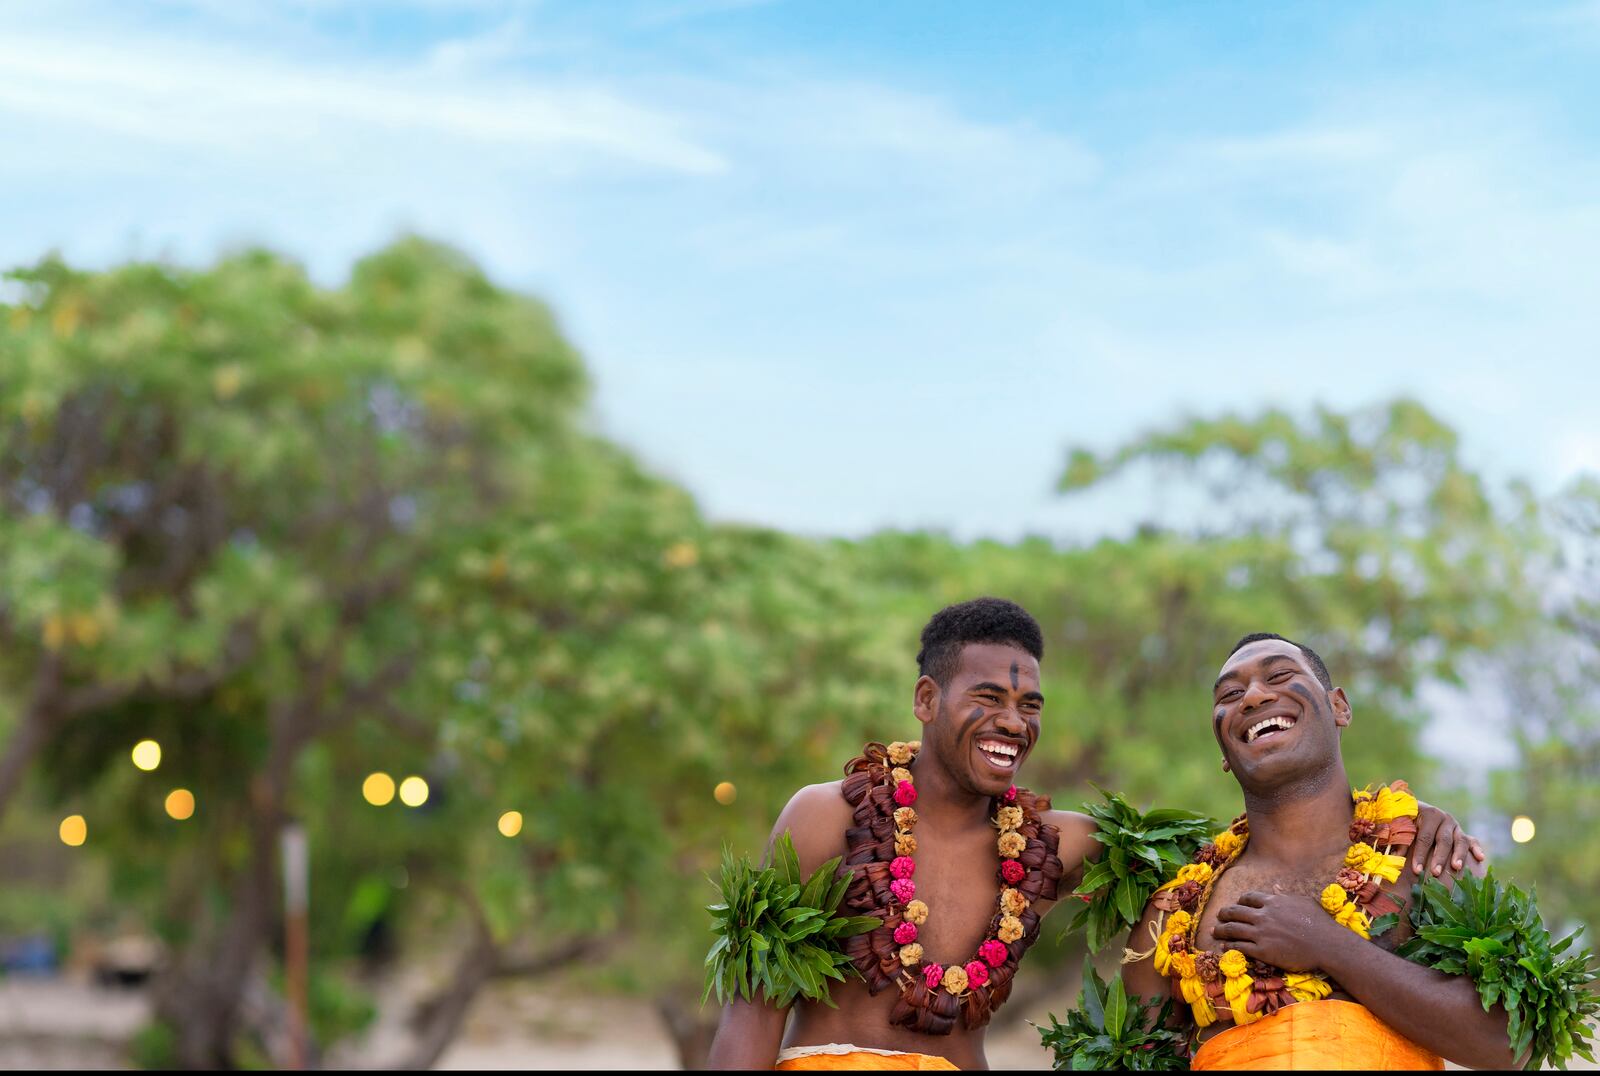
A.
x: 925, y: 1000
x: 1264, y: 943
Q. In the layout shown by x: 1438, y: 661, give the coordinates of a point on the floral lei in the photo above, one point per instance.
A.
x: 881, y: 850
x: 1246, y: 990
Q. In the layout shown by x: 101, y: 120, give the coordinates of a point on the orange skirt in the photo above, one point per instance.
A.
x: 862, y: 1059
x: 1314, y: 1035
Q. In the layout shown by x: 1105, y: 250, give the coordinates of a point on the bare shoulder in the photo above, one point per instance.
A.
x: 815, y: 819
x: 1077, y: 837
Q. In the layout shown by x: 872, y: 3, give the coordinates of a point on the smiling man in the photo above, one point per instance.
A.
x: 957, y: 861
x: 1278, y: 942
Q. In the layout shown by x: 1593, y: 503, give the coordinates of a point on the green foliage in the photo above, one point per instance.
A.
x: 1111, y: 1030
x: 1494, y: 935
x: 776, y: 934
x: 1142, y: 852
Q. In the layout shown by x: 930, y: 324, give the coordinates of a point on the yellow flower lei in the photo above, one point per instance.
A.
x: 1386, y: 805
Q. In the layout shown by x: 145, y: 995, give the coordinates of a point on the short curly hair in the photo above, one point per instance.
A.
x: 1318, y: 668
x: 981, y: 620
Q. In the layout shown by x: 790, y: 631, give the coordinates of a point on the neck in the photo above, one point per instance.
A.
x: 1303, y: 821
x: 941, y: 799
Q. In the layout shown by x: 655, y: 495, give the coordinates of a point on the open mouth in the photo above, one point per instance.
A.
x: 1001, y: 754
x: 1267, y: 727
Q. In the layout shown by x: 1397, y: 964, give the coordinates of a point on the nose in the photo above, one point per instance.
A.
x: 1011, y: 721
x: 1256, y: 696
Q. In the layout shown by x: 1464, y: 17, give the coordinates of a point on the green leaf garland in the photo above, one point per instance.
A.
x: 1142, y: 852
x: 1111, y: 1030
x: 1495, y: 936
x: 776, y: 934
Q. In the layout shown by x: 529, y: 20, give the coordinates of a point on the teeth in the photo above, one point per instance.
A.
x: 1009, y: 750
x: 1268, y: 723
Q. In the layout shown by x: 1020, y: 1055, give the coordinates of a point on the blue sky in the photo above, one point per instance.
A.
x: 838, y: 266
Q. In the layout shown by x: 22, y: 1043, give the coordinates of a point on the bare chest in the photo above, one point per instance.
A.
x: 1246, y: 876
x: 956, y: 878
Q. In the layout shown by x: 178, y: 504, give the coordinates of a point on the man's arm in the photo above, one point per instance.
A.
x: 750, y: 1033
x: 1077, y: 850
x: 1437, y: 1011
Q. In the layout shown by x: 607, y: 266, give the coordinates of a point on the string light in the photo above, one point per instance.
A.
x: 180, y: 804
x: 147, y: 755
x: 725, y: 793
x: 74, y: 830
x: 1522, y: 829
x: 378, y: 789
x: 413, y: 791
x: 511, y: 823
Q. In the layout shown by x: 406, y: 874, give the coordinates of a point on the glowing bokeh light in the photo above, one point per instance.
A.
x: 74, y: 830
x: 510, y: 823
x: 1522, y: 829
x: 725, y: 793
x: 147, y: 755
x: 378, y: 788
x: 180, y: 804
x: 413, y: 791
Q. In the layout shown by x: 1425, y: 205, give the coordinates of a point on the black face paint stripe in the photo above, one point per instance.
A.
x: 1013, y: 676
x: 971, y: 720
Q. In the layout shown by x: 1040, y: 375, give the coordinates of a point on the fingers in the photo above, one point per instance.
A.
x: 1444, y: 845
x: 1423, y: 844
x: 1232, y: 931
x: 1238, y: 913
x: 1477, y: 849
x: 1253, y: 898
x: 1458, y: 852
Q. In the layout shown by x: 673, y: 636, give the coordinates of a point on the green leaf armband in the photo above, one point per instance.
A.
x: 1495, y: 937
x: 1142, y: 852
x: 1110, y: 1030
x: 777, y: 934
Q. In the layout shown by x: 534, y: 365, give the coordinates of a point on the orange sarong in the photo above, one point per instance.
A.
x: 1314, y: 1035
x: 847, y: 1059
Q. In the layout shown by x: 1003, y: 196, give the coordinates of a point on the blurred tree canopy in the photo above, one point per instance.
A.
x: 299, y: 534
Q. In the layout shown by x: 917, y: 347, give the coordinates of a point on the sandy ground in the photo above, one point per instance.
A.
x: 63, y: 1024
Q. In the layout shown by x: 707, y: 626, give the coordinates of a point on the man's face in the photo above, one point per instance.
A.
x: 1273, y: 719
x: 986, y: 720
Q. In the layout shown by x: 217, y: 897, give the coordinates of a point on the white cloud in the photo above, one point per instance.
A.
x: 167, y: 92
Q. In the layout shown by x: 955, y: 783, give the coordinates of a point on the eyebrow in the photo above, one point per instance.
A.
x: 998, y: 690
x: 1266, y: 663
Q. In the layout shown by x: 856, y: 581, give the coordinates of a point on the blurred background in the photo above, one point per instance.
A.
x: 466, y: 461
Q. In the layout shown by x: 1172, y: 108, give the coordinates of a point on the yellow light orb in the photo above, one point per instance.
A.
x: 147, y: 755
x: 725, y: 793
x: 74, y: 830
x: 378, y: 788
x: 180, y: 804
x: 413, y: 791
x: 1522, y: 829
x: 511, y: 823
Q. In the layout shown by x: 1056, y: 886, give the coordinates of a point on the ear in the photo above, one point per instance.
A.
x: 1341, y: 707
x: 925, y: 699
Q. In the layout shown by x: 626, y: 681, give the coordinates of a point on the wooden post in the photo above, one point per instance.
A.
x: 296, y: 870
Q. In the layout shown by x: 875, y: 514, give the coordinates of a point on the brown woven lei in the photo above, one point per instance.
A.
x: 869, y: 789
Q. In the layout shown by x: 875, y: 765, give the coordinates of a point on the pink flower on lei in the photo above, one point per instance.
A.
x: 933, y: 975
x: 905, y: 933
x: 902, y: 866
x: 1012, y: 871
x: 905, y: 794
x: 993, y: 952
x: 903, y: 889
x: 977, y: 973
